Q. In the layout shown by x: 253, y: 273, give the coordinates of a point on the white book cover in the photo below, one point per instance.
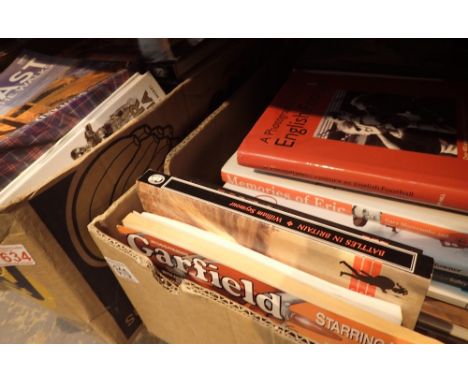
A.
x: 136, y: 95
x: 440, y: 234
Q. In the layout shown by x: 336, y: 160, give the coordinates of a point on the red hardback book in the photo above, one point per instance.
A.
x: 403, y: 138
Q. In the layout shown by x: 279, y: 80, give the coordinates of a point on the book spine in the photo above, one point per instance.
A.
x: 403, y: 257
x: 451, y: 279
x: 433, y: 194
x: 307, y: 319
x: 287, y: 192
x: 438, y: 334
x: 457, y: 265
x: 448, y: 236
x: 449, y: 294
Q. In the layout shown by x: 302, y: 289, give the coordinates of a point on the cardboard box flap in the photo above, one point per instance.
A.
x: 269, y: 337
x: 104, y: 226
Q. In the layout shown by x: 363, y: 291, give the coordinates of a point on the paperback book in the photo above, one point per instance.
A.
x: 392, y: 272
x: 401, y: 138
x: 321, y: 312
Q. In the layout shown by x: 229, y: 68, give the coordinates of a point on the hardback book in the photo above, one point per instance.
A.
x: 134, y: 97
x: 444, y: 311
x: 41, y: 99
x: 450, y: 279
x: 441, y: 330
x: 443, y: 235
x: 316, y: 309
x: 445, y: 322
x: 448, y: 293
x: 402, y: 138
x: 391, y: 271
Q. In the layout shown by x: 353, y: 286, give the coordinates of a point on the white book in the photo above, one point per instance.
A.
x: 440, y: 234
x: 138, y: 93
x: 449, y: 294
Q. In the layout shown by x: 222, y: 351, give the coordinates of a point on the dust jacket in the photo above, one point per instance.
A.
x: 398, y: 137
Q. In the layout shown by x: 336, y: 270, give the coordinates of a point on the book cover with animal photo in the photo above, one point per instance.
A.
x: 313, y: 321
x: 397, y: 137
x: 401, y: 273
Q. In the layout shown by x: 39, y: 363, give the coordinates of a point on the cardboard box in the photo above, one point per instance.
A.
x: 67, y: 272
x: 189, y: 313
x: 186, y: 313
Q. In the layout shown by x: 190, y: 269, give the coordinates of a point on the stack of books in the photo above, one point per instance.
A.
x: 383, y: 155
x: 54, y: 110
x: 290, y: 268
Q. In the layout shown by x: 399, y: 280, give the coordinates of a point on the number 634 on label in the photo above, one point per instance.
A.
x: 15, y: 255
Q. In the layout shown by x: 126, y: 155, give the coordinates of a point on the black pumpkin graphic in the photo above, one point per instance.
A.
x: 107, y: 175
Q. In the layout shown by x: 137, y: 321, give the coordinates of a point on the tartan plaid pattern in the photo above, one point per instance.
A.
x: 23, y: 146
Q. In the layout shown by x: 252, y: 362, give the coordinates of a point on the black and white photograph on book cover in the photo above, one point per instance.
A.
x: 397, y: 122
